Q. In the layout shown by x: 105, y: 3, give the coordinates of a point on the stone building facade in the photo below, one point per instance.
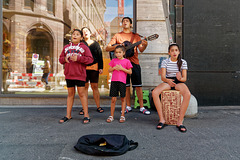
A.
x: 41, y: 27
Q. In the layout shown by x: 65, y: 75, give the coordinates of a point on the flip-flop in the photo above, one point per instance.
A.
x: 182, y: 127
x: 86, y: 119
x: 162, y: 125
x: 100, y: 110
x: 65, y: 119
x: 81, y: 112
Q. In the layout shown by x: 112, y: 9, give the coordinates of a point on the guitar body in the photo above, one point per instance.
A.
x: 129, y: 52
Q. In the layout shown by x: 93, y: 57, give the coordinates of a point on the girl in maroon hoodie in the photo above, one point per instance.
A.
x: 75, y: 56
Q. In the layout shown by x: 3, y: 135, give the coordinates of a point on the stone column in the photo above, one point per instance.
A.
x: 151, y: 20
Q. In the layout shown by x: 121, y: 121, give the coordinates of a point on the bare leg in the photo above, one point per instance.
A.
x: 83, y: 98
x: 186, y: 98
x: 155, y: 94
x: 113, y: 102
x: 96, y: 94
x: 128, y: 96
x: 70, y: 100
x: 123, y: 100
x: 140, y: 96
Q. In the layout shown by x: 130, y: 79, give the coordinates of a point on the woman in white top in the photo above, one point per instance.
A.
x: 174, y: 74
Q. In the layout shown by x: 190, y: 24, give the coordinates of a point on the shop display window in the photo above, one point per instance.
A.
x: 30, y: 37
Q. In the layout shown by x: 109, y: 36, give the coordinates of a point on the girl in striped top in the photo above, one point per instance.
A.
x: 174, y: 74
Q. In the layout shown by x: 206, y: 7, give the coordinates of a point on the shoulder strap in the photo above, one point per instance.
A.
x: 133, y: 145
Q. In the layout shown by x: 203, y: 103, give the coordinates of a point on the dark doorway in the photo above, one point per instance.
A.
x: 40, y: 42
x: 211, y: 48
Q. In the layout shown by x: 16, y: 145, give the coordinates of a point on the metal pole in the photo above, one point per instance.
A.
x: 134, y: 15
x: 1, y: 43
x: 179, y: 23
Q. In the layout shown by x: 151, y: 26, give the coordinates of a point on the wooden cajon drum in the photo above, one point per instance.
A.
x: 171, y: 102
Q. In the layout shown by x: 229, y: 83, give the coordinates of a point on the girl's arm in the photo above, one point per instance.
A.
x: 86, y: 58
x: 164, y: 79
x: 182, y: 77
x: 120, y: 67
x: 62, y: 58
x: 111, y: 69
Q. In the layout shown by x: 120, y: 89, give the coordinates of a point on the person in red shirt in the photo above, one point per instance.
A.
x: 75, y: 57
x: 119, y: 38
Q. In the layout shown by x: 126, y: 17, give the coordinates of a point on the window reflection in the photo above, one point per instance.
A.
x: 28, y: 4
x: 5, y: 4
x: 51, y: 6
x: 28, y: 38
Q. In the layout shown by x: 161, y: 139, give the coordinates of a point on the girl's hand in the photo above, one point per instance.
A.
x: 179, y: 76
x: 66, y: 59
x: 118, y: 67
x: 171, y: 83
x: 74, y: 57
x: 100, y: 71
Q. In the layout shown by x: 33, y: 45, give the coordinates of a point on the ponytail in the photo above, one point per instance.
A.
x: 179, y: 62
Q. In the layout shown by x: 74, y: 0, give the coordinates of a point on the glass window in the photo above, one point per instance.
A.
x: 30, y: 42
x: 29, y: 4
x: 6, y: 4
x: 51, y: 6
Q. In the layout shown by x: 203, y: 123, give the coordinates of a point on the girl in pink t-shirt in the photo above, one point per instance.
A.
x: 119, y: 67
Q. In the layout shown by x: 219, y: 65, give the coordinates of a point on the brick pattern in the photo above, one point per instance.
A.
x: 171, y: 102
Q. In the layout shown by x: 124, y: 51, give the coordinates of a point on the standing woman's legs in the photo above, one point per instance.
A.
x: 96, y: 94
x: 83, y: 97
x: 186, y: 98
x: 158, y: 104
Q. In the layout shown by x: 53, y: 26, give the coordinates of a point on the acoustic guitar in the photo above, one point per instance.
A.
x: 130, y: 47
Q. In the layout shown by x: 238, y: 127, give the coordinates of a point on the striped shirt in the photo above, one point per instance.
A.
x: 172, y: 68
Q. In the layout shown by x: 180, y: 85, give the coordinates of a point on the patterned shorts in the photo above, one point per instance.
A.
x: 117, y: 87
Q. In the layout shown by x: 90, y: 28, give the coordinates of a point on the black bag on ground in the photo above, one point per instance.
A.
x: 105, y: 145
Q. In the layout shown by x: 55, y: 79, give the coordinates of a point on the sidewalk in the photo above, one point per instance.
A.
x: 33, y: 132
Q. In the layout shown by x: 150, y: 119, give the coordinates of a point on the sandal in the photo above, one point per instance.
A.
x: 65, y: 119
x: 145, y: 111
x: 110, y: 119
x: 81, y: 112
x: 182, y: 127
x: 100, y: 110
x: 162, y: 125
x: 86, y: 120
x: 122, y: 119
x: 128, y: 109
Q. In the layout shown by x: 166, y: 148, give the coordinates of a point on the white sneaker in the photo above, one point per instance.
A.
x: 128, y: 109
x: 144, y: 111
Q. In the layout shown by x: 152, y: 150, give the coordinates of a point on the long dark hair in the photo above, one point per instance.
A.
x: 179, y: 58
x: 87, y: 29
